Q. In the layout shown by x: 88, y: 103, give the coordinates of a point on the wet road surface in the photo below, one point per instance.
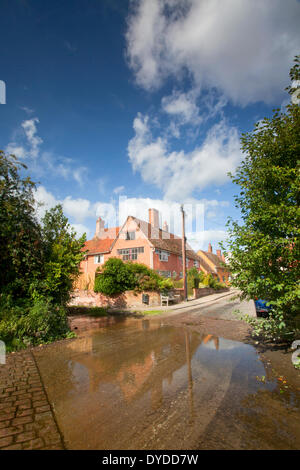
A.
x: 144, y: 384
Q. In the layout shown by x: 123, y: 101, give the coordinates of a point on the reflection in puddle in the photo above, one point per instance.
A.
x: 139, y: 384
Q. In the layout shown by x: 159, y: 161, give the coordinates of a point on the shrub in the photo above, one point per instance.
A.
x: 194, y: 277
x: 115, y: 278
x: 32, y: 325
x: 165, y: 285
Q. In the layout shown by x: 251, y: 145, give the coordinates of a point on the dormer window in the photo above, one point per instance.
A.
x: 130, y: 235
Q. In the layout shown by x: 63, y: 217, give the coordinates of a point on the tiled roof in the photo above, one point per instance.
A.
x: 173, y: 244
x: 218, y: 262
x: 97, y: 245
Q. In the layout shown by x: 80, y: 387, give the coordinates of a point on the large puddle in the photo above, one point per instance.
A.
x: 138, y: 384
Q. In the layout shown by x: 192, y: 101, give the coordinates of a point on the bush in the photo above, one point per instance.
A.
x: 194, y: 277
x: 23, y: 326
x: 165, y: 285
x: 116, y: 277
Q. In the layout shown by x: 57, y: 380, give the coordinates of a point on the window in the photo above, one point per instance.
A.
x: 186, y: 260
x: 98, y: 259
x: 130, y: 235
x: 163, y: 255
x: 165, y: 273
x: 130, y: 253
x: 196, y: 264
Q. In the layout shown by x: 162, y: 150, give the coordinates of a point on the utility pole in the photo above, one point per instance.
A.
x: 183, y: 255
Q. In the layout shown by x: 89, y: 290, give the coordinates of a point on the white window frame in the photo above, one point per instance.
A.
x: 99, y: 259
x: 163, y: 255
x: 130, y: 235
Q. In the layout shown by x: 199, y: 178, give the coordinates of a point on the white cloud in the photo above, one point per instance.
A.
x: 81, y: 209
x: 27, y: 110
x: 80, y: 229
x: 243, y: 48
x: 29, y: 146
x: 26, y: 146
x: 200, y: 240
x: 118, y: 189
x: 180, y: 173
x: 45, y: 201
x: 34, y: 141
x: 182, y: 106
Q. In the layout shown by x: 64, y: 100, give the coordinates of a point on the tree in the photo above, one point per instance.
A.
x: 62, y: 256
x: 38, y: 263
x: 20, y: 234
x: 264, y: 251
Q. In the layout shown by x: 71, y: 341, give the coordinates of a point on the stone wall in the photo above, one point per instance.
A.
x: 208, y: 291
x: 125, y: 300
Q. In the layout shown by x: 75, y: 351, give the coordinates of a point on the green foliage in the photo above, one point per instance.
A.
x: 20, y: 234
x: 38, y: 262
x: 194, y: 277
x: 62, y: 256
x: 265, y: 248
x: 116, y: 277
x: 164, y: 285
x: 178, y: 284
x: 32, y: 323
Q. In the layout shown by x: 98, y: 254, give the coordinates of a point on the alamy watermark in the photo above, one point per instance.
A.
x: 296, y: 354
x: 2, y: 92
x: 296, y: 94
x: 2, y: 352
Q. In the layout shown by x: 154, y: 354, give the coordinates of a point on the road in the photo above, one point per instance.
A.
x: 188, y: 379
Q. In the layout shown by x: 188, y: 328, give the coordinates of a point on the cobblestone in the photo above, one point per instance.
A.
x: 26, y: 419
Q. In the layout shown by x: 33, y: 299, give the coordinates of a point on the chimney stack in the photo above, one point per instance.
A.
x: 165, y: 227
x: 209, y: 248
x: 219, y: 254
x: 99, y: 227
x: 154, y: 218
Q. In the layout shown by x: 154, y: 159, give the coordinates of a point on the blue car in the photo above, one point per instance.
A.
x: 262, y: 309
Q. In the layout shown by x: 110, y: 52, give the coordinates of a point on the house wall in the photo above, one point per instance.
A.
x: 221, y: 272
x: 174, y: 263
x: 148, y: 257
x: 198, y: 293
x: 128, y: 299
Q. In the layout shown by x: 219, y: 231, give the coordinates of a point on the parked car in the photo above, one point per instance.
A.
x: 262, y: 309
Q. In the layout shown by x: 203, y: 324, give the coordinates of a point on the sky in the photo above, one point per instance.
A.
x: 116, y: 106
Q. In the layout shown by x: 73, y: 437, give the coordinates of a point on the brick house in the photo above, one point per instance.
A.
x: 141, y: 242
x: 212, y: 263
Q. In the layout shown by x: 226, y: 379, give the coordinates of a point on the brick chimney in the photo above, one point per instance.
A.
x: 154, y: 218
x: 99, y: 227
x: 219, y: 254
x: 165, y: 227
x: 209, y: 248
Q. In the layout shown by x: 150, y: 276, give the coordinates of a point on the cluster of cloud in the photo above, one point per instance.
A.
x: 83, y: 214
x: 244, y: 48
x: 179, y: 173
x: 226, y: 51
x: 26, y: 146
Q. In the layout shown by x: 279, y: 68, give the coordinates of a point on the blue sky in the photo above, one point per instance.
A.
x: 145, y: 100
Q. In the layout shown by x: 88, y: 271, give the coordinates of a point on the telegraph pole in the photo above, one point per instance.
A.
x: 183, y: 255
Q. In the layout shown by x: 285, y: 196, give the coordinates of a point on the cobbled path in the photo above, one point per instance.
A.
x: 26, y: 418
